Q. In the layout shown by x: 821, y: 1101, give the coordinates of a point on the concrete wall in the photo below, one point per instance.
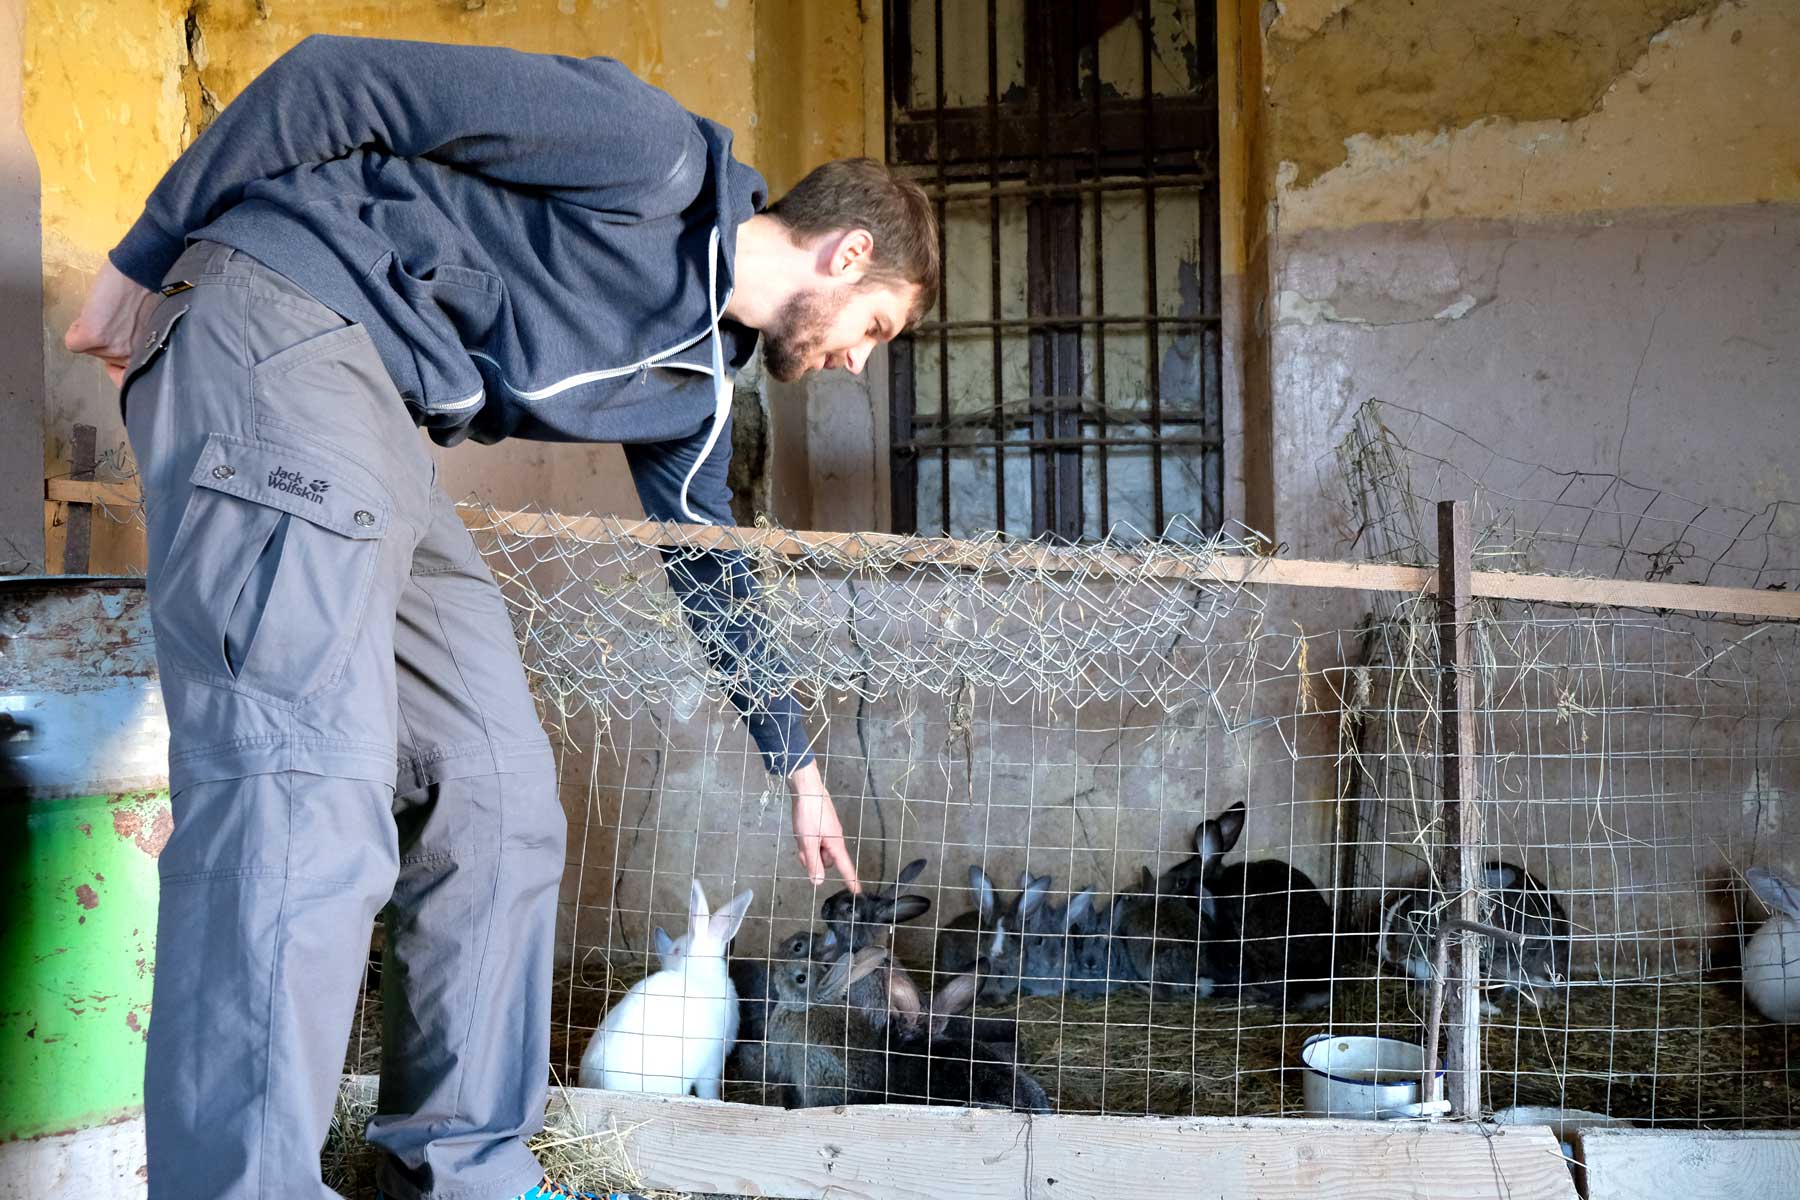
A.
x: 21, y: 316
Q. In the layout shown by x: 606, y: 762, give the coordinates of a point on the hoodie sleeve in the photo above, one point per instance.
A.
x: 717, y: 590
x: 586, y: 129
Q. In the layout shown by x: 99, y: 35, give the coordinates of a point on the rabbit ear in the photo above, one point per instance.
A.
x: 954, y: 997
x: 1503, y: 876
x: 846, y: 971
x: 909, y: 872
x: 828, y: 941
x: 1774, y: 889
x: 1033, y: 895
x: 1230, y: 826
x: 1079, y: 908
x: 903, y: 996
x: 697, y: 908
x: 662, y: 942
x: 908, y: 908
x: 984, y: 892
x: 722, y: 926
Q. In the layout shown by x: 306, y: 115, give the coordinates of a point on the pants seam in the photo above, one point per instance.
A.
x: 262, y: 1133
x: 462, y: 679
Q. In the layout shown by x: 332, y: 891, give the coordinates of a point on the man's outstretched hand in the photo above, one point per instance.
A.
x: 817, y: 830
x: 111, y: 321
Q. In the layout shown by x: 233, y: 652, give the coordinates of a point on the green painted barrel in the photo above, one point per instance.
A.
x: 84, y: 811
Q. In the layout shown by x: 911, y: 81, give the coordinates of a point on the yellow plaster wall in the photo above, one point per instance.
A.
x: 114, y: 89
x: 1387, y: 110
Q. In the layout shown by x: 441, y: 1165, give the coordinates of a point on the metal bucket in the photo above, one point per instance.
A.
x: 1367, y: 1078
x: 84, y: 811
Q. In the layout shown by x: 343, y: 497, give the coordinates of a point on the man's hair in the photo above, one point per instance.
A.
x: 860, y: 193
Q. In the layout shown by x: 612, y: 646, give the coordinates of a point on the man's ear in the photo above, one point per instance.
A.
x: 847, y: 255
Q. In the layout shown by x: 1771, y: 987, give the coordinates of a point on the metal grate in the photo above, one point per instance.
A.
x: 1069, y: 383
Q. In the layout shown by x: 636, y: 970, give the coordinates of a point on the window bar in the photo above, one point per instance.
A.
x: 903, y: 460
x: 993, y: 106
x: 1153, y: 352
x: 1099, y: 290
x: 937, y: 32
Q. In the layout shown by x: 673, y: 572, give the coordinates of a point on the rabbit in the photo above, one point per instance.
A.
x: 1088, y: 958
x: 938, y: 1066
x: 813, y: 1033
x: 1059, y: 944
x: 1524, y: 906
x: 1772, y: 956
x: 983, y: 940
x: 671, y: 1032
x: 1514, y: 900
x: 853, y: 921
x: 1268, y: 930
x: 1155, y: 939
x: 750, y: 976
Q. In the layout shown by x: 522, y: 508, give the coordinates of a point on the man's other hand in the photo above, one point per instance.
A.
x: 816, y: 828
x: 111, y: 321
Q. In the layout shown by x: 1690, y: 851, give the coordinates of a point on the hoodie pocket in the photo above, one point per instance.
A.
x: 265, y: 586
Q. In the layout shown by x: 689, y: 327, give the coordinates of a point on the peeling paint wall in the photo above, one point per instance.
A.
x: 1436, y: 173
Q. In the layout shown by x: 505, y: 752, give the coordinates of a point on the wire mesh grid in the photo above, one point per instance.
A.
x: 1068, y: 719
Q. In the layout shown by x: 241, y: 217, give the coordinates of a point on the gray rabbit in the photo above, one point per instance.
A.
x: 983, y: 940
x: 1155, y: 937
x: 817, y: 1045
x: 1513, y: 900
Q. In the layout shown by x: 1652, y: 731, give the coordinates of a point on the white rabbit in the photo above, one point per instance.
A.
x: 671, y: 1032
x: 1772, y: 956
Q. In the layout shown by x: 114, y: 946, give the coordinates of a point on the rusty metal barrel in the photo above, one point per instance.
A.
x: 84, y: 811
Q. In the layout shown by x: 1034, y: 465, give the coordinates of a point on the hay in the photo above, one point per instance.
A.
x: 1671, y: 1053
x: 1682, y: 1052
x: 575, y: 1154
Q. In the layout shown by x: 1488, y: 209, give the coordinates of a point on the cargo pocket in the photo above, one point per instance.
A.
x: 266, y: 584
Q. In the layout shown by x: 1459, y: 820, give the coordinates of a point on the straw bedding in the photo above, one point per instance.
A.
x: 1686, y: 1052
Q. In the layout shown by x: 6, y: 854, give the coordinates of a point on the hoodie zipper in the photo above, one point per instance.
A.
x: 721, y: 384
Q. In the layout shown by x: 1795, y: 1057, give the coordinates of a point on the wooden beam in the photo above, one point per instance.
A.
x: 1459, y: 856
x: 901, y: 1152
x: 1631, y: 1164
x: 110, y: 494
x: 851, y: 548
x: 78, y: 517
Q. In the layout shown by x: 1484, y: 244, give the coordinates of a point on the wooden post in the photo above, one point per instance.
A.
x: 1460, y: 855
x: 78, y: 523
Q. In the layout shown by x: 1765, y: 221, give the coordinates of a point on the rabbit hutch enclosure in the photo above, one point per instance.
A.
x: 1137, y: 821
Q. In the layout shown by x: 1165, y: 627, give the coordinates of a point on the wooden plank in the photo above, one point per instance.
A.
x: 1647, y: 1164
x: 899, y: 1152
x: 1459, y: 861
x: 899, y: 550
x: 78, y: 518
x: 110, y: 493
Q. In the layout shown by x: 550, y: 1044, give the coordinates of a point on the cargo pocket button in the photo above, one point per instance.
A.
x: 223, y: 472
x: 364, y: 517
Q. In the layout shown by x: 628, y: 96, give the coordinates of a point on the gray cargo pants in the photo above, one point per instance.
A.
x: 349, y: 727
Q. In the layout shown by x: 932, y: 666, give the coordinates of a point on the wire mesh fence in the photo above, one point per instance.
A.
x: 1062, y: 734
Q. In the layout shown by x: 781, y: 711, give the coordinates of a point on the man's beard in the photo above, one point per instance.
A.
x: 797, y: 331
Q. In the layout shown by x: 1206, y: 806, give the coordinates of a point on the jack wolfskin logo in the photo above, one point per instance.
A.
x: 296, y: 484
